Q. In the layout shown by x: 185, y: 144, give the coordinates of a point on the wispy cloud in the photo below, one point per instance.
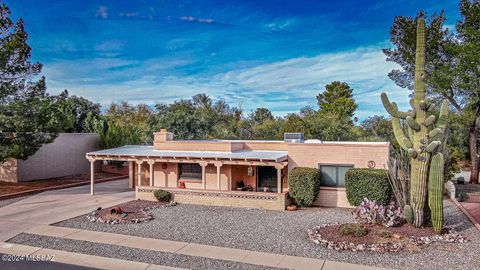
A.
x: 193, y: 19
x: 102, y: 12
x: 283, y: 86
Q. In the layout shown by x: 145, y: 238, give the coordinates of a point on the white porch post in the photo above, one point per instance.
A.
x: 151, y: 163
x: 92, y: 175
x: 219, y: 166
x: 139, y: 172
x: 204, y: 176
x: 279, y: 177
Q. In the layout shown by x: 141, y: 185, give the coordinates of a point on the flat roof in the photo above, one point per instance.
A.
x: 149, y: 151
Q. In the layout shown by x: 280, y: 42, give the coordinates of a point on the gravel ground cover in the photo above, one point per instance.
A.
x: 6, y: 202
x: 285, y: 232
x: 131, y: 254
x: 22, y: 265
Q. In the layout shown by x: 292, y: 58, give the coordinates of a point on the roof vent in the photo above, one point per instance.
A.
x: 293, y: 137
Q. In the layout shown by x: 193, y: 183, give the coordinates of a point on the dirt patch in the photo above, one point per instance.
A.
x: 132, y: 212
x: 9, y: 188
x: 382, y: 239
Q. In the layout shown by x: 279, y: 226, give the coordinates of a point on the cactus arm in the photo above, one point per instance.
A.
x: 431, y: 147
x: 402, y: 140
x: 431, y: 107
x: 435, y: 192
x: 412, y: 124
x: 430, y: 121
x: 410, y: 133
x: 435, y: 132
x: 392, y: 108
x: 443, y: 116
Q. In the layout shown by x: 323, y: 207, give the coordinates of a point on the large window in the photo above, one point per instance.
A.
x: 190, y: 171
x: 333, y: 175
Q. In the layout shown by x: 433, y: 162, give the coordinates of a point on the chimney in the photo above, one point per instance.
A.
x: 163, y: 136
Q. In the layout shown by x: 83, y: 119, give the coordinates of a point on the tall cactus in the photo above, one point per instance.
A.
x: 435, y: 192
x: 424, y: 133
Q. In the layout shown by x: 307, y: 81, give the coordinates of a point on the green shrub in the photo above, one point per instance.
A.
x: 304, y: 184
x: 356, y: 230
x: 367, y: 183
x: 162, y: 195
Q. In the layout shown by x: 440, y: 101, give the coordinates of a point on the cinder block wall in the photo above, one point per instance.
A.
x: 64, y: 156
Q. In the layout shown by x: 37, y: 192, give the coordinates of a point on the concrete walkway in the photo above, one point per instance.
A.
x: 57, y: 205
x: 198, y: 250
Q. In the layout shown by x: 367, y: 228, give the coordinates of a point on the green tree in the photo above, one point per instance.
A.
x: 337, y: 99
x: 135, y: 117
x: 76, y: 109
x: 452, y: 70
x: 377, y: 128
x: 29, y: 117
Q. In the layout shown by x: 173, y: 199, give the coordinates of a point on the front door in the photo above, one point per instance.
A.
x: 266, y: 178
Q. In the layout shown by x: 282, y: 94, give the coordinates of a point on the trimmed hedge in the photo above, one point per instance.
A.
x: 367, y: 183
x: 304, y: 184
x: 162, y: 195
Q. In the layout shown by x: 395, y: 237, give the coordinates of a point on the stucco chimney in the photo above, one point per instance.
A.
x: 163, y: 136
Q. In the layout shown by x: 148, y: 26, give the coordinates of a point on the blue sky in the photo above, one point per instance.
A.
x: 274, y: 54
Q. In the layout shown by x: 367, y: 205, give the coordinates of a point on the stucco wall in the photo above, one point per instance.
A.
x: 358, y: 155
x: 8, y: 171
x: 64, y: 156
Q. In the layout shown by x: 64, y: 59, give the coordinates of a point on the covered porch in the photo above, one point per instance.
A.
x: 243, y: 171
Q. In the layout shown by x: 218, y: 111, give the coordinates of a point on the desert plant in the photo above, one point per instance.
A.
x: 398, y: 176
x: 304, y: 184
x: 356, y: 230
x: 370, y: 212
x: 425, y: 133
x: 435, y: 192
x: 367, y: 183
x: 373, y: 213
x: 162, y: 195
x: 408, y: 213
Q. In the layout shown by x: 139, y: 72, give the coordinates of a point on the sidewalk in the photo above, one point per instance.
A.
x: 192, y: 249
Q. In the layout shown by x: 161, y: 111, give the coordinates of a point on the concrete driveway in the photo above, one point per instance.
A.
x: 57, y: 205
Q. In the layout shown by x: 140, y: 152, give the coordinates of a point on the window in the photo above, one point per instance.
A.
x: 333, y: 175
x: 190, y: 171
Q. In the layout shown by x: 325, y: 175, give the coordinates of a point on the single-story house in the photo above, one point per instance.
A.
x: 211, y: 172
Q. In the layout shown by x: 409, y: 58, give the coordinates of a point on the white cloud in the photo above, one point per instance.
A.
x: 102, y: 12
x: 284, y: 86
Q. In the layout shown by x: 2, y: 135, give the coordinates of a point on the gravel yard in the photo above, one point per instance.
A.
x: 285, y: 233
x: 131, y: 254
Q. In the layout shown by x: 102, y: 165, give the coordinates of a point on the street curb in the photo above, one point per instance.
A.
x: 466, y: 213
x: 38, y: 190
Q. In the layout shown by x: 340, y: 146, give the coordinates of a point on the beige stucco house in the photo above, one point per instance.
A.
x: 211, y: 171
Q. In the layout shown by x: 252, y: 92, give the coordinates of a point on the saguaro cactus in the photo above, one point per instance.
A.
x: 435, y: 194
x: 424, y: 133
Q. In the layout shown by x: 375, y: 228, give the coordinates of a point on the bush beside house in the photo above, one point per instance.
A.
x: 162, y: 195
x: 367, y: 183
x: 304, y: 184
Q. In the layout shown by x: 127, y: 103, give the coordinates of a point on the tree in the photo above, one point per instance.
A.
x: 29, y: 117
x: 377, y: 128
x: 260, y: 115
x: 337, y: 99
x: 76, y: 109
x: 135, y: 117
x: 451, y: 69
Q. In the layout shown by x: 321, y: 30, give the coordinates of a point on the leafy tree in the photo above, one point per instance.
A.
x: 76, y: 109
x: 260, y: 115
x: 377, y: 128
x: 135, y: 117
x: 119, y: 135
x: 29, y: 117
x: 452, y: 69
x: 337, y: 99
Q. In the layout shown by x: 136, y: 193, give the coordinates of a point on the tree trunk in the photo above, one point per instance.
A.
x: 472, y: 140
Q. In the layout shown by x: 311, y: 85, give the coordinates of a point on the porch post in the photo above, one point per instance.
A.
x: 139, y: 172
x: 204, y: 176
x: 92, y: 175
x: 279, y: 177
x: 151, y: 163
x: 219, y: 166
